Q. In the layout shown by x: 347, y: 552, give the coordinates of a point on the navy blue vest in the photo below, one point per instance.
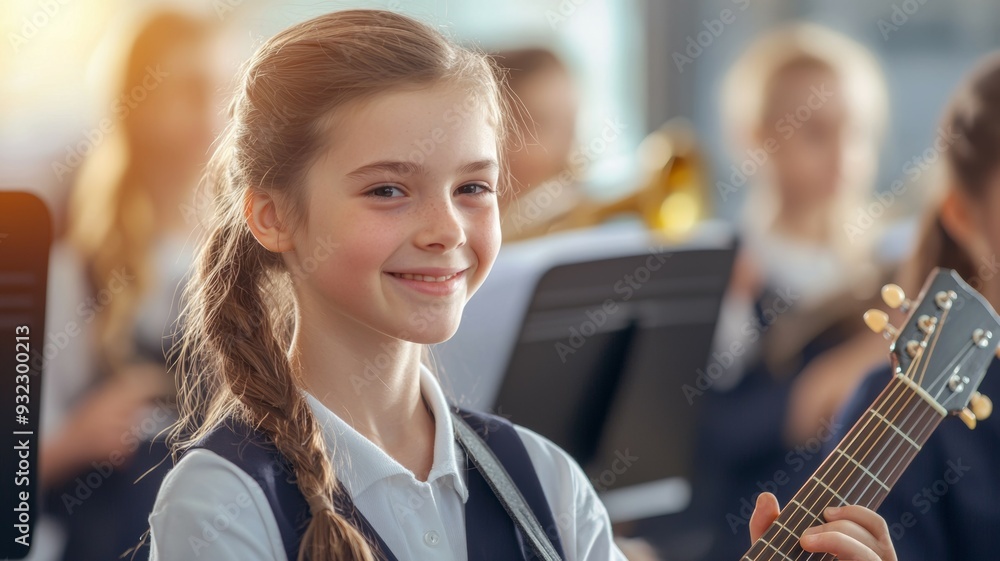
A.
x: 490, y: 532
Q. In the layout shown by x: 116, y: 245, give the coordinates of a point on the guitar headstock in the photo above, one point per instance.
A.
x: 946, y: 344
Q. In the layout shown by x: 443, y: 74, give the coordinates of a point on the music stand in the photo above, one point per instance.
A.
x: 602, y: 354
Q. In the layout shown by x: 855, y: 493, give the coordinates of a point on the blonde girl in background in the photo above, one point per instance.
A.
x: 815, y: 102
x: 805, y: 109
x: 310, y: 427
x: 810, y: 104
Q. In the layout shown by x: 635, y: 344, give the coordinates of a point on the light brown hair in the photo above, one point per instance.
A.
x: 973, y: 164
x: 238, y: 319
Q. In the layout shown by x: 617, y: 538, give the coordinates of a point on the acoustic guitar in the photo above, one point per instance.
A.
x: 939, y: 357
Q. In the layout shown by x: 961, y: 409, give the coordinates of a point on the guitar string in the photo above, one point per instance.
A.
x: 924, y: 361
x: 962, y: 358
x: 810, y: 503
x: 863, y: 431
x: 795, y: 531
x: 969, y: 345
x: 889, y: 403
x: 884, y: 473
x: 969, y: 349
x: 944, y: 315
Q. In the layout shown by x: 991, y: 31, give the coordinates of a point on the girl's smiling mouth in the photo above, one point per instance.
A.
x: 424, y: 278
x: 436, y: 282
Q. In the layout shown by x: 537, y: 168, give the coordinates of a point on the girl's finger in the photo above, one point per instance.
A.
x: 850, y: 529
x: 853, y: 532
x: 764, y: 513
x: 870, y: 521
x: 842, y: 546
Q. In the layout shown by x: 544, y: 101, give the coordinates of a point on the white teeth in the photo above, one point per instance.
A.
x: 423, y: 278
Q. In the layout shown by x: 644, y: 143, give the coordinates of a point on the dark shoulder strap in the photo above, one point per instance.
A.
x: 253, y: 452
x: 493, y: 445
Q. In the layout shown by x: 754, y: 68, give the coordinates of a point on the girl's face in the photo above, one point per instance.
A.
x: 550, y: 99
x: 170, y: 115
x: 821, y: 149
x: 403, y: 224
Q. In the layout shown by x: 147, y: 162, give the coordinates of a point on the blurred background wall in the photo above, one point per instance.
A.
x: 622, y: 52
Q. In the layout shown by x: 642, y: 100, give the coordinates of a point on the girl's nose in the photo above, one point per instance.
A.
x: 440, y: 226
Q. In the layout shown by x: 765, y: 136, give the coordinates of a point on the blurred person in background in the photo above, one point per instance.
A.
x: 805, y: 107
x: 960, y: 232
x: 132, y: 211
x: 546, y: 102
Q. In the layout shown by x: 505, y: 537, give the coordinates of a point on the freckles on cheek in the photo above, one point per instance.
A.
x: 490, y: 244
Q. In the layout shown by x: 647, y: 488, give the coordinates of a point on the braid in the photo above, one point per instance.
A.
x: 239, y: 340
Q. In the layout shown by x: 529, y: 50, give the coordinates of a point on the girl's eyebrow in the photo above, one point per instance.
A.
x: 398, y: 167
x: 488, y: 164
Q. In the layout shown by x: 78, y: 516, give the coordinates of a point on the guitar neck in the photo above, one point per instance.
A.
x: 860, y: 471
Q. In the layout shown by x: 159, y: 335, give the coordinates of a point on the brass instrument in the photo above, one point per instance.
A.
x: 673, y: 198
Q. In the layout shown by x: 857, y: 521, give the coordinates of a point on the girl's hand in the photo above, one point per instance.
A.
x: 851, y: 532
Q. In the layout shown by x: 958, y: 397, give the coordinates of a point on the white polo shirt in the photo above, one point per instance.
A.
x: 208, y: 508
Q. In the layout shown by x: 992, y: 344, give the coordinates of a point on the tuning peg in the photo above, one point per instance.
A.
x: 927, y: 323
x: 878, y: 321
x: 981, y: 406
x: 894, y: 297
x: 913, y: 347
x: 968, y: 417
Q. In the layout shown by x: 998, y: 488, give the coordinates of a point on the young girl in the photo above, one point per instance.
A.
x: 929, y: 521
x: 357, y: 188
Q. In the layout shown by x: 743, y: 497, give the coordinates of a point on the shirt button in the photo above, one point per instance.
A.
x: 431, y: 538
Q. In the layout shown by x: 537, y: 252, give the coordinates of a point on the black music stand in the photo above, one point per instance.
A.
x: 603, y: 352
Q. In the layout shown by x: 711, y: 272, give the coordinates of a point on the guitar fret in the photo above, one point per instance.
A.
x: 895, y: 428
x: 863, y: 468
x: 781, y: 553
x: 785, y: 528
x: 823, y: 483
x: 800, y: 505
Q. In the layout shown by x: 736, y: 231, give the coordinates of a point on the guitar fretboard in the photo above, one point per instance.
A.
x: 860, y: 471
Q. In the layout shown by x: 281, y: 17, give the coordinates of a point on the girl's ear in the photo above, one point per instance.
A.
x: 962, y: 222
x: 261, y: 212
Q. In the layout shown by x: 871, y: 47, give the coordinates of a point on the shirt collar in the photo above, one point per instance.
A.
x: 359, y: 463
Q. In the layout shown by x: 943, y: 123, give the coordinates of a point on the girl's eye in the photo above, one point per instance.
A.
x: 474, y: 189
x: 385, y: 192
